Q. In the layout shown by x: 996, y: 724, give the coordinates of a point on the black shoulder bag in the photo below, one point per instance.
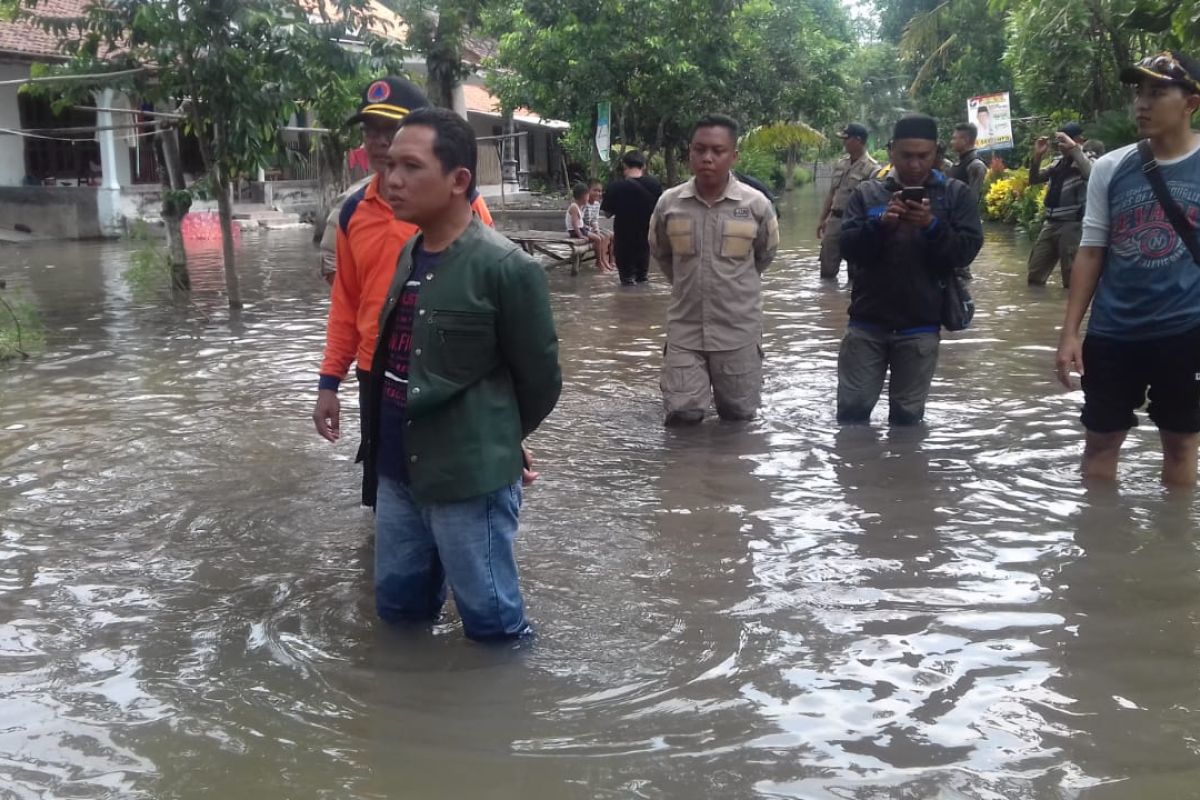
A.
x: 1175, y: 215
x: 958, y: 309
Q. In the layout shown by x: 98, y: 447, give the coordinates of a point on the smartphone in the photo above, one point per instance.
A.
x: 914, y: 193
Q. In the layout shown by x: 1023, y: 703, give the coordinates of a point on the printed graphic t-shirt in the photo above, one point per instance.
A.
x: 1150, y: 285
x: 393, y: 463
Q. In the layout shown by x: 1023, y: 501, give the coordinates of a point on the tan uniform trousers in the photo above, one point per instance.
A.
x: 730, y: 378
x: 831, y: 250
x: 1057, y: 243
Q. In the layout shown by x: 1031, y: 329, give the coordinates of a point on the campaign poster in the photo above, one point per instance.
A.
x: 990, y: 114
x: 603, y: 111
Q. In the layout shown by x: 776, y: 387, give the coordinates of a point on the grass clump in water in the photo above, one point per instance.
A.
x: 149, y: 272
x: 21, y: 329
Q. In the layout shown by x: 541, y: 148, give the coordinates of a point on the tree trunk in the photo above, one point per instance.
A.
x: 440, y: 83
x: 332, y: 180
x: 658, y: 143
x: 171, y: 176
x: 671, y: 155
x: 225, y: 212
x: 789, y: 178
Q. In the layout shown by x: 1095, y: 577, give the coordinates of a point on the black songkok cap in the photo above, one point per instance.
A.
x: 915, y: 126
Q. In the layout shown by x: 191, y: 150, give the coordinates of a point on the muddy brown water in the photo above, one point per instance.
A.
x: 775, y: 610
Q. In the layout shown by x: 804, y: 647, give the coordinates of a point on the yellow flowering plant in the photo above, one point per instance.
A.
x: 1009, y: 198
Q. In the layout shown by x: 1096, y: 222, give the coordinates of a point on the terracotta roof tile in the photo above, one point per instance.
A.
x: 25, y: 37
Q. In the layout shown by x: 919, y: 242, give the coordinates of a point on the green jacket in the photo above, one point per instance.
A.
x: 483, y: 370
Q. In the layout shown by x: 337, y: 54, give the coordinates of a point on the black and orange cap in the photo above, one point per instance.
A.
x: 389, y: 98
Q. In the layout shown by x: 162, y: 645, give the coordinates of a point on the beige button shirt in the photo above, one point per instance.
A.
x: 713, y: 256
x: 846, y: 176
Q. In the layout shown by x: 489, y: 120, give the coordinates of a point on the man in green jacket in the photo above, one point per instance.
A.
x: 466, y: 366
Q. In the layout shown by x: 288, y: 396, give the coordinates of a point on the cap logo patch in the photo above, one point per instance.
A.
x: 378, y: 91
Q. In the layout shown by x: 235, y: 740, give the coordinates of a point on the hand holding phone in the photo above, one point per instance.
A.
x: 912, y: 194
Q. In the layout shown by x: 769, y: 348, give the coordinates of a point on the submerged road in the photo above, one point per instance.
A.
x: 778, y: 610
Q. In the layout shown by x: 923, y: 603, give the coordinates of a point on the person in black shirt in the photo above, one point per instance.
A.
x: 631, y: 200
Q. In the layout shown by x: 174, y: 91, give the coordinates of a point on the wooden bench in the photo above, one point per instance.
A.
x: 560, y: 247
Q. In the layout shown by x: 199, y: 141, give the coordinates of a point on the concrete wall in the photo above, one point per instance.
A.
x: 12, y: 148
x: 145, y: 203
x: 295, y: 197
x: 61, y: 212
x: 529, y: 219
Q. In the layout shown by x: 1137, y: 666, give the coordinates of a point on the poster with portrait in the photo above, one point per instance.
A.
x: 990, y: 114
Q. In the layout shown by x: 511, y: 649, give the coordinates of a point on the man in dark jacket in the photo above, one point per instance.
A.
x: 908, y: 234
x: 970, y: 168
x: 1058, y: 240
x: 465, y: 368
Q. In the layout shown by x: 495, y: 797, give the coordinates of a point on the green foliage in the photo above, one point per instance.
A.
x: 760, y: 163
x: 21, y: 329
x: 1067, y: 51
x: 177, y: 202
x: 880, y: 97
x: 1047, y: 53
x: 1113, y: 128
x: 781, y: 137
x: 954, y: 50
x: 438, y: 29
x: 802, y: 176
x: 662, y: 63
x: 149, y: 272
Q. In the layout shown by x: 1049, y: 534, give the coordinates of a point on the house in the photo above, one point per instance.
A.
x: 85, y: 173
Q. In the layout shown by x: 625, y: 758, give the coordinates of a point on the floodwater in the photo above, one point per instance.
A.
x: 778, y: 610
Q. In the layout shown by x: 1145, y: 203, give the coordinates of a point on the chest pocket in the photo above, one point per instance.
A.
x: 463, y: 344
x: 681, y: 230
x: 737, y: 237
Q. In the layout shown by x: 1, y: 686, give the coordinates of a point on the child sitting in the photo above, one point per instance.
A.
x: 591, y: 218
x: 577, y: 229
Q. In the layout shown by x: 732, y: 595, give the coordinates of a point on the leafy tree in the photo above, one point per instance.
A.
x: 238, y: 69
x: 788, y: 139
x: 1060, y: 59
x: 438, y: 28
x: 662, y: 63
x: 880, y: 97
x: 955, y: 51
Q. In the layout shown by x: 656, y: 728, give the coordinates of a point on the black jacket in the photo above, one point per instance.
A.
x: 900, y: 273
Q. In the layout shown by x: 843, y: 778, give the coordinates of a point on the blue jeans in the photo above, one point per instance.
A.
x: 419, y: 548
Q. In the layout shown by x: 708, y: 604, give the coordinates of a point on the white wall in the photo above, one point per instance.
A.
x: 12, y: 148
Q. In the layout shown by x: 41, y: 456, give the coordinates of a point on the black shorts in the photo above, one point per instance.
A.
x: 1118, y: 376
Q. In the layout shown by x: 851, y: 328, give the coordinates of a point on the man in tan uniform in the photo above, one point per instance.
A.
x: 850, y: 170
x: 712, y: 238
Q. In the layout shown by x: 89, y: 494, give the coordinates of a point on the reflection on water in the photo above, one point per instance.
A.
x: 778, y: 609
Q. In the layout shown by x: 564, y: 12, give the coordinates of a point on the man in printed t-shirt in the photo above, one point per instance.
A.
x: 1136, y: 272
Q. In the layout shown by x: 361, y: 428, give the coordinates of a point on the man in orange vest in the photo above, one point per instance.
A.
x: 367, y: 243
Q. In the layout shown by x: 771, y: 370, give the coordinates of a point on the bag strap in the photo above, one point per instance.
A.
x: 1175, y: 215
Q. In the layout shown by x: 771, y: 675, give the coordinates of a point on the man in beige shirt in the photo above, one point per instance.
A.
x: 712, y: 238
x: 849, y: 171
